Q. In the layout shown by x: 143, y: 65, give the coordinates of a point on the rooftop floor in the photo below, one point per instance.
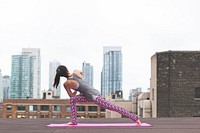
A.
x: 160, y: 125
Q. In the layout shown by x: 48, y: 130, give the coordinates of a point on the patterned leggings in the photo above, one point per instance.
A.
x: 102, y: 103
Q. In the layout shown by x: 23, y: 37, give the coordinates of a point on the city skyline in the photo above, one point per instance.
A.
x: 76, y: 31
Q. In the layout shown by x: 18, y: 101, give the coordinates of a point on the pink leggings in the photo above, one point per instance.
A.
x: 102, y: 103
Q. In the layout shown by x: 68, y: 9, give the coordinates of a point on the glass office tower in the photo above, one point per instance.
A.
x: 111, y: 75
x: 25, y: 74
x: 87, y: 69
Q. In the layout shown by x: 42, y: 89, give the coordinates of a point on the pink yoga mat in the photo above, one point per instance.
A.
x: 100, y: 125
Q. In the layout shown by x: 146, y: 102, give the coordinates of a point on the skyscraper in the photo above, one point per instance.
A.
x: 111, y: 75
x: 52, y: 72
x: 6, y: 86
x: 25, y: 74
x: 87, y: 72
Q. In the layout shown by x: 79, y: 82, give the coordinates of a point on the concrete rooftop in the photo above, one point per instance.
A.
x: 160, y: 125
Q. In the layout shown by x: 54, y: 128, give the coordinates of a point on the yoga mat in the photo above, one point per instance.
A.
x: 101, y: 125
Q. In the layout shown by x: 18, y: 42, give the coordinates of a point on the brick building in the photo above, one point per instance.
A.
x: 48, y: 108
x: 175, y: 84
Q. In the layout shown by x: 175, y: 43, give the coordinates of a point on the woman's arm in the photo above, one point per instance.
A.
x: 68, y: 89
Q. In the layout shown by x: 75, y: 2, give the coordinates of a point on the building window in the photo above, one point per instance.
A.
x: 21, y: 116
x: 55, y: 116
x: 153, y: 94
x: 80, y: 108
x: 44, y: 116
x: 102, y: 109
x: 9, y: 116
x: 44, y: 108
x: 33, y: 108
x: 21, y: 107
x: 8, y: 107
x: 197, y: 93
x: 56, y: 108
x: 32, y: 116
x: 92, y: 108
x: 67, y: 109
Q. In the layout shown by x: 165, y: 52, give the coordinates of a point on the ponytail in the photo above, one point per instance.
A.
x: 56, y: 80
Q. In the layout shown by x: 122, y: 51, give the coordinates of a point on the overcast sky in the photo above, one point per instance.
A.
x: 74, y: 31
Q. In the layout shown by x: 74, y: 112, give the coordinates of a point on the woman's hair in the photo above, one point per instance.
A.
x: 61, y: 71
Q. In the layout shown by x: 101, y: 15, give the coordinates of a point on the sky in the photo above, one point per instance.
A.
x: 74, y: 31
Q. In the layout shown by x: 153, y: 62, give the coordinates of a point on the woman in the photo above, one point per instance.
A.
x: 87, y: 94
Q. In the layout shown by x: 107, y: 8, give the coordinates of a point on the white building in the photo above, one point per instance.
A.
x: 144, y: 105
x: 36, y: 69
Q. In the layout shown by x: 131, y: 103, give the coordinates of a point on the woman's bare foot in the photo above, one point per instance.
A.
x: 138, y: 122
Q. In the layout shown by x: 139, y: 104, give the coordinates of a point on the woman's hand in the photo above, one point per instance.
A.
x: 68, y: 85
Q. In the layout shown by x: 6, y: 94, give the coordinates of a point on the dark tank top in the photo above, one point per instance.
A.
x: 88, y: 91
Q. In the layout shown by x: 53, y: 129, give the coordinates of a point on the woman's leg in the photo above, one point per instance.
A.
x: 108, y: 105
x: 73, y: 109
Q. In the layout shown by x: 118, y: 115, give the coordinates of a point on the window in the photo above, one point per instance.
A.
x: 32, y: 116
x: 55, y: 116
x: 67, y: 109
x: 33, y: 108
x: 21, y: 107
x: 92, y: 108
x: 102, y: 109
x: 56, y: 108
x: 9, y: 116
x: 21, y: 116
x: 44, y: 116
x: 197, y: 93
x: 8, y: 107
x: 80, y: 108
x: 44, y: 108
x: 41, y: 116
x: 153, y: 94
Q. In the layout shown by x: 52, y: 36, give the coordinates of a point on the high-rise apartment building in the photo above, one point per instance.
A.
x: 87, y: 69
x: 111, y: 75
x: 26, y: 74
x: 6, y: 86
x: 175, y: 84
x: 52, y: 72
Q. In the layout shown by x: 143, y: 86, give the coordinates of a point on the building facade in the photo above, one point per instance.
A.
x: 175, y: 84
x: 48, y: 108
x: 111, y: 75
x: 87, y: 70
x: 52, y: 72
x: 25, y: 74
